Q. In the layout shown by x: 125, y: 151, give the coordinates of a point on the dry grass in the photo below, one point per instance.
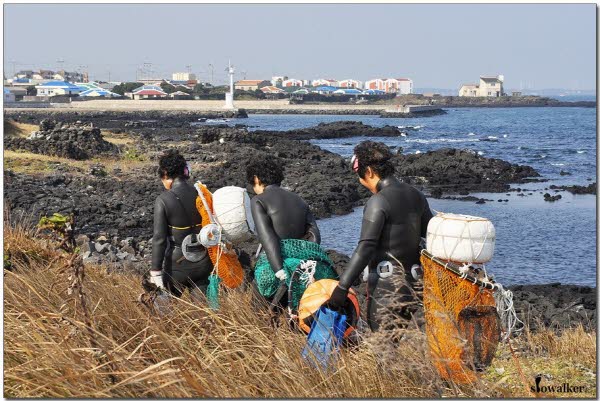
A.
x: 196, y: 352
x: 117, y: 139
x: 36, y: 164
x: 14, y: 128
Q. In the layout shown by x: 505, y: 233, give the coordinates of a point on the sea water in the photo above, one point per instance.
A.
x: 537, y: 241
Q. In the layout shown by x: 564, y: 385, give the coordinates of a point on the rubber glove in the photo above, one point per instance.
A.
x: 156, y: 278
x: 338, y: 299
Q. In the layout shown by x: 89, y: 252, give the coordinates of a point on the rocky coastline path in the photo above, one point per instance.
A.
x: 106, y: 178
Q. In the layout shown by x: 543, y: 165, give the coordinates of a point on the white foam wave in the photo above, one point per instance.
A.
x: 557, y: 164
x: 492, y: 137
x: 417, y: 152
x: 581, y: 151
x: 435, y: 140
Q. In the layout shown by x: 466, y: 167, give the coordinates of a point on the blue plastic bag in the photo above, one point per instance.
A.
x: 326, y: 335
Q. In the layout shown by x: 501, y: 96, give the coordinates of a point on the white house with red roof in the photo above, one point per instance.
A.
x: 147, y: 92
x: 350, y: 83
x: 288, y: 83
x: 401, y: 86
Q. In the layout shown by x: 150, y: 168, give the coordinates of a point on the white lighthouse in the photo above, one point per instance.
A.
x: 229, y: 96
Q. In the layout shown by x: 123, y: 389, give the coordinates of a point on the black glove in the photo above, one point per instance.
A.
x: 338, y: 299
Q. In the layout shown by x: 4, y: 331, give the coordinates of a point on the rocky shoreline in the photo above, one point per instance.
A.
x: 112, y: 196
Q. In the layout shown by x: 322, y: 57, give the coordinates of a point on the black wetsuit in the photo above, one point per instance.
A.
x: 176, y: 216
x: 280, y: 214
x: 394, y: 220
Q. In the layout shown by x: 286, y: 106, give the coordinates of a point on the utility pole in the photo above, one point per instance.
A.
x: 212, y: 74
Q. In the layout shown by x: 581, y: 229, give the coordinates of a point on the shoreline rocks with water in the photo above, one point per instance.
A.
x: 113, y: 207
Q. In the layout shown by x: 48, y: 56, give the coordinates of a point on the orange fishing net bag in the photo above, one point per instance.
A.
x: 462, y: 323
x: 226, y: 263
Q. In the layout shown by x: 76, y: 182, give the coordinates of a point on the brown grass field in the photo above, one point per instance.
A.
x: 84, y: 334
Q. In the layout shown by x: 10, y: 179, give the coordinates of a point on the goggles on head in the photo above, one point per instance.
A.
x: 354, y: 163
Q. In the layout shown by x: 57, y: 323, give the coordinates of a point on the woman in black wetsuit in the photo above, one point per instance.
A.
x: 394, y: 220
x: 176, y: 217
x: 278, y: 213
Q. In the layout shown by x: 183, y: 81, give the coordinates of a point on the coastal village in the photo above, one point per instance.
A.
x: 45, y: 85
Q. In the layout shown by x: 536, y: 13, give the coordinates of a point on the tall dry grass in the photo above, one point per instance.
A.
x: 123, y: 349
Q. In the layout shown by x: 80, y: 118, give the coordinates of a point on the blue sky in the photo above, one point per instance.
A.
x: 437, y: 45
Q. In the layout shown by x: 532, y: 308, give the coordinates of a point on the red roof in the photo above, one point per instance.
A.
x: 402, y: 79
x: 150, y: 92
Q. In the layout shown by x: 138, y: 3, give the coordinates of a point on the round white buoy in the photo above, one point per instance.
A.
x: 231, y: 206
x: 461, y: 238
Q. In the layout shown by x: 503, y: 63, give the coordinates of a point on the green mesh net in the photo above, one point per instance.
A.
x: 294, y: 252
x: 212, y: 291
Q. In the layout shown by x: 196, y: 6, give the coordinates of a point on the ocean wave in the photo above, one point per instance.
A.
x: 492, y: 137
x: 435, y: 140
x: 557, y: 164
x: 581, y: 151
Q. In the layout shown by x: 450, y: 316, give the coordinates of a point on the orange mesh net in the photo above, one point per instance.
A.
x: 229, y: 268
x: 462, y: 324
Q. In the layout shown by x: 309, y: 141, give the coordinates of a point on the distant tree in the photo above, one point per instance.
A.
x: 167, y: 87
x: 126, y: 87
x: 31, y: 91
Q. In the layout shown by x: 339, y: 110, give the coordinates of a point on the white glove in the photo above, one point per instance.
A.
x: 281, y: 275
x: 156, y: 278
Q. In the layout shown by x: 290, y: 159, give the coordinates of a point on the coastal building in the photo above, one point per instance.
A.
x: 271, y: 90
x: 278, y: 81
x: 24, y: 74
x: 55, y: 88
x: 251, y: 84
x: 288, y: 83
x: 489, y: 86
x: 9, y: 97
x: 70, y: 76
x: 180, y: 95
x: 324, y: 90
x: 325, y: 82
x: 401, y: 86
x: 147, y: 92
x: 306, y: 82
x: 350, y: 83
x: 348, y: 91
x: 184, y: 76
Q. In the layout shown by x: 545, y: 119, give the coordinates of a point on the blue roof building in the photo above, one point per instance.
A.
x: 54, y: 88
x: 324, y: 89
x: 348, y: 91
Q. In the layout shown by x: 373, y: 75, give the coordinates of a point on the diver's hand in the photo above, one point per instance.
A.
x: 338, y: 299
x: 156, y: 278
x: 281, y: 275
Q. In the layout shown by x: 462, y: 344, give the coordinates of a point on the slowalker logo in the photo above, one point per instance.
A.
x: 554, y: 388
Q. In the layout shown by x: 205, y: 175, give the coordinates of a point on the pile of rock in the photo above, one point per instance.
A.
x: 77, y: 141
x: 127, y: 254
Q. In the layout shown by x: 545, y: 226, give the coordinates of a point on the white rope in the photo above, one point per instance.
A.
x: 308, y: 269
x: 506, y: 311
